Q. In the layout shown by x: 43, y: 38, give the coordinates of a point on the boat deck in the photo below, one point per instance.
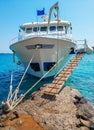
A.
x: 56, y: 86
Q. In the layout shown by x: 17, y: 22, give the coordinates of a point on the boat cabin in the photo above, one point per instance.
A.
x: 44, y: 28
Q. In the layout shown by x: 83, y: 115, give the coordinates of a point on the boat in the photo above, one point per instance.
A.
x: 47, y: 43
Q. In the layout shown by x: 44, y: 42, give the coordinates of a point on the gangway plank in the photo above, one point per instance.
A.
x: 56, y: 86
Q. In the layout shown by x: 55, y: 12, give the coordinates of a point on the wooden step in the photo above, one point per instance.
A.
x: 50, y: 90
x: 59, y: 81
x: 54, y: 86
x: 63, y: 79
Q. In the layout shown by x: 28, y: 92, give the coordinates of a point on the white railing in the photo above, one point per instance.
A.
x: 83, y: 47
x: 14, y: 40
x: 60, y: 35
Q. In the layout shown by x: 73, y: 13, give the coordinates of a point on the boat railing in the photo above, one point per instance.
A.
x: 14, y: 40
x: 55, y: 34
x: 83, y: 47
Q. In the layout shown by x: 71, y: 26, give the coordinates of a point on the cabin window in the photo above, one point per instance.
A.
x: 35, y: 66
x: 48, y: 65
x: 60, y: 28
x: 52, y: 28
x: 28, y: 30
x: 21, y: 29
x: 35, y: 29
x: 44, y: 29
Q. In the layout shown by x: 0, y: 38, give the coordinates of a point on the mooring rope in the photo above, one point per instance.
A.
x: 17, y: 89
x: 10, y: 106
x: 40, y: 79
x: 11, y: 79
x: 12, y: 97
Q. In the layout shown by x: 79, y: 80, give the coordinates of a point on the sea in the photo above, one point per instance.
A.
x: 82, y: 78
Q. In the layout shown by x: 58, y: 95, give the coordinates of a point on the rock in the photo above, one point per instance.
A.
x: 83, y: 100
x: 16, y: 114
x: 8, y: 128
x: 91, y: 125
x: 81, y: 115
x: 75, y: 92
x: 3, y: 118
x: 2, y: 124
x: 84, y: 128
x: 20, y: 122
x: 78, y: 98
x: 85, y: 123
x: 33, y: 95
x: 87, y: 110
x: 66, y: 111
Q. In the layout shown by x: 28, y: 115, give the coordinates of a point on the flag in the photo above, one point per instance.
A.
x: 40, y: 12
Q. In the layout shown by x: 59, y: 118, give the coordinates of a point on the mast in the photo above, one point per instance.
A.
x: 55, y: 6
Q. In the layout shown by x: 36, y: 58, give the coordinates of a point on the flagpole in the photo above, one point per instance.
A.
x: 37, y: 21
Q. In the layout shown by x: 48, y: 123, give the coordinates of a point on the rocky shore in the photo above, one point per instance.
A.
x: 66, y: 111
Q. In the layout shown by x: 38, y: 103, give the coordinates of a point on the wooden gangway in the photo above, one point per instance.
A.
x: 56, y: 86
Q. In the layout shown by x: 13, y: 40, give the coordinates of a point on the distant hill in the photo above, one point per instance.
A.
x: 93, y: 48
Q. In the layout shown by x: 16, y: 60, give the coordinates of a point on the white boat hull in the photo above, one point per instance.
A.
x: 46, y: 51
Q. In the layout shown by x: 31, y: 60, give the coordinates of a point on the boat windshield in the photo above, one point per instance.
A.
x: 35, y: 29
x: 52, y: 28
x: 43, y: 29
x: 60, y: 28
x: 28, y: 30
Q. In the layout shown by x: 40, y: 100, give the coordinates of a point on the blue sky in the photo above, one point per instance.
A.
x: 13, y: 13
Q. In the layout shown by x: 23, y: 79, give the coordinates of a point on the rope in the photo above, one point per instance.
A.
x: 16, y: 100
x: 17, y: 89
x: 40, y: 79
x: 12, y: 99
x: 11, y: 79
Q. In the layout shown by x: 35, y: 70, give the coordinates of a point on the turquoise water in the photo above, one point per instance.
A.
x: 82, y: 77
x: 5, y: 74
